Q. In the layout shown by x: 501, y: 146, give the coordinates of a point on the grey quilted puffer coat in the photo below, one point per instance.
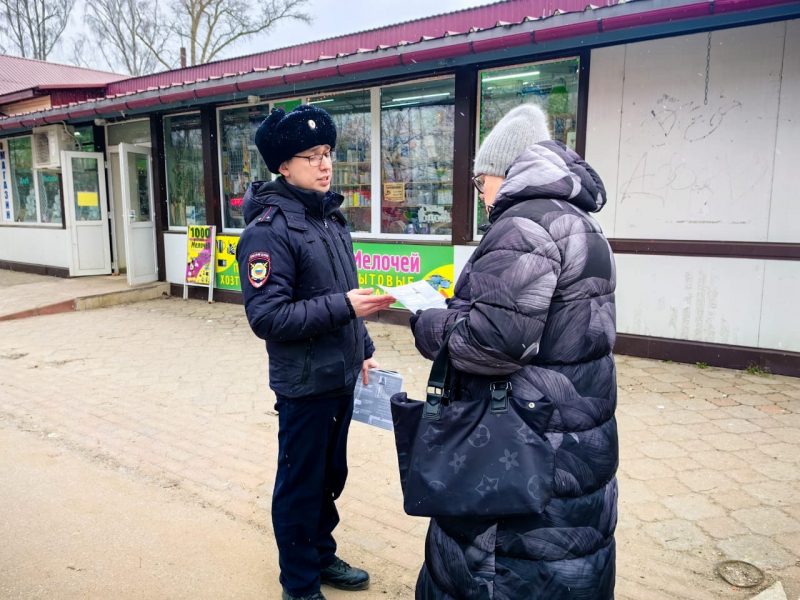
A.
x: 539, y: 295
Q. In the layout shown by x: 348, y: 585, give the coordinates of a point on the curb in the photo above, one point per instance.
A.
x: 129, y: 296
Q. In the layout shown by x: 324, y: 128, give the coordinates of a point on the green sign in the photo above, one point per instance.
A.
x: 287, y: 106
x: 398, y: 264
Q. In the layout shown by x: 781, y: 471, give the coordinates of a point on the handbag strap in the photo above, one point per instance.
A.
x: 438, y: 379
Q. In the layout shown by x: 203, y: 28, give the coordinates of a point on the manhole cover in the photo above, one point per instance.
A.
x: 739, y: 573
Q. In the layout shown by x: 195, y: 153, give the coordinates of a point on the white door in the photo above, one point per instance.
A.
x: 83, y: 175
x: 136, y: 171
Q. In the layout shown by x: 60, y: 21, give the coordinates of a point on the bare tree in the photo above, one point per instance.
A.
x: 211, y: 26
x: 131, y: 34
x: 33, y: 27
x: 139, y: 36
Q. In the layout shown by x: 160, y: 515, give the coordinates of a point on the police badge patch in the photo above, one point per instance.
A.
x: 258, y: 268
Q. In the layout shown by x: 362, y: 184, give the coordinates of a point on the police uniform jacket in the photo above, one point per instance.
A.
x: 296, y: 266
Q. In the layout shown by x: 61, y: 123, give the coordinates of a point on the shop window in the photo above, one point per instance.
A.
x: 129, y: 132
x: 50, y: 196
x: 552, y: 85
x: 85, y: 138
x: 352, y: 172
x: 23, y: 188
x: 417, y: 157
x: 34, y: 196
x: 240, y: 160
x: 185, y: 189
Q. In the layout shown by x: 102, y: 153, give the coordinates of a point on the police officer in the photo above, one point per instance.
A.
x: 300, y: 288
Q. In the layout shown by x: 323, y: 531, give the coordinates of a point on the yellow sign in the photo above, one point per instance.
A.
x: 394, y: 192
x: 88, y: 199
x: 200, y: 255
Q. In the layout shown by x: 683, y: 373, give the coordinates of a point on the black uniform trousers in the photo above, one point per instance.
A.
x: 312, y: 470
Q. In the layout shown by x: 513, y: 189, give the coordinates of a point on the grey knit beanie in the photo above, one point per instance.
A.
x: 522, y: 127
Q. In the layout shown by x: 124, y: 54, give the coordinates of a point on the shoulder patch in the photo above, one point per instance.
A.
x: 259, y: 267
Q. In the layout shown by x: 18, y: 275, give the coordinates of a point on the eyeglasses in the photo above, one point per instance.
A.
x: 315, y: 160
x: 479, y: 183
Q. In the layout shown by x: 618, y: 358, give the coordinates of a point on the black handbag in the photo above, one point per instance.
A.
x: 476, y: 452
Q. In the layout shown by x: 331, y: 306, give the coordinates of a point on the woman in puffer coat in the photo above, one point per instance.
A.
x: 538, y: 293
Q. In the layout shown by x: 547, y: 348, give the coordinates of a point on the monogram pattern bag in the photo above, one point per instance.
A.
x: 478, y: 456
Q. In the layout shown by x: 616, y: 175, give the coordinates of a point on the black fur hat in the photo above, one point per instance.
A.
x: 282, y: 136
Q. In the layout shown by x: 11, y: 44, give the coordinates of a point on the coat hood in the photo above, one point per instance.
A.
x: 257, y: 198
x: 549, y: 170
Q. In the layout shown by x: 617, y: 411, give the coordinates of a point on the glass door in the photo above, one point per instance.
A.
x: 138, y: 213
x: 87, y: 213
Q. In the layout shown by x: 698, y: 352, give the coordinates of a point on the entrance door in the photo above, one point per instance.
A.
x: 87, y: 213
x: 138, y: 213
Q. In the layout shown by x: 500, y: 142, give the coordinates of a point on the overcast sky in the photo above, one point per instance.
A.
x: 339, y: 17
x: 331, y: 18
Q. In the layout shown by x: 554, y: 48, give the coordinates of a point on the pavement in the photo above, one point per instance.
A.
x: 23, y: 295
x: 159, y: 413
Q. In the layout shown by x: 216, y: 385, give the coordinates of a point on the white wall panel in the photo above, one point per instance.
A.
x: 175, y: 256
x: 691, y: 170
x: 461, y: 254
x: 714, y: 300
x: 36, y: 246
x: 603, y: 124
x: 784, y: 222
x: 780, y: 322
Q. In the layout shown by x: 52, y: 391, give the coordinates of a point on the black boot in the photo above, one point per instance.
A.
x: 314, y: 596
x: 342, y: 576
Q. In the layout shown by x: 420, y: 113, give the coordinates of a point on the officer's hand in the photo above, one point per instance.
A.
x: 364, y: 303
x: 370, y: 363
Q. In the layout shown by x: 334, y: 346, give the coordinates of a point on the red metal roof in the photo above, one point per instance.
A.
x: 462, y: 21
x: 19, y: 74
x: 529, y: 30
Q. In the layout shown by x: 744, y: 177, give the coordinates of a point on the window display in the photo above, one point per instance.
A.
x: 552, y: 85
x: 185, y: 189
x: 417, y: 125
x: 23, y: 188
x: 352, y: 172
x: 50, y: 196
x: 240, y: 160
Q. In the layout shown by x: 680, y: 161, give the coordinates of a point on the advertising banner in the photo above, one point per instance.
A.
x: 393, y: 265
x: 200, y: 259
x: 227, y: 267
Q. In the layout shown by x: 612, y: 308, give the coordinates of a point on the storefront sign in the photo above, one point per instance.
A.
x: 378, y: 264
x: 288, y: 105
x: 397, y: 264
x: 200, y: 259
x: 227, y: 267
x: 5, y: 182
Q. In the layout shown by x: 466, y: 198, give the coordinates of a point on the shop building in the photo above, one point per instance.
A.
x: 687, y: 109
